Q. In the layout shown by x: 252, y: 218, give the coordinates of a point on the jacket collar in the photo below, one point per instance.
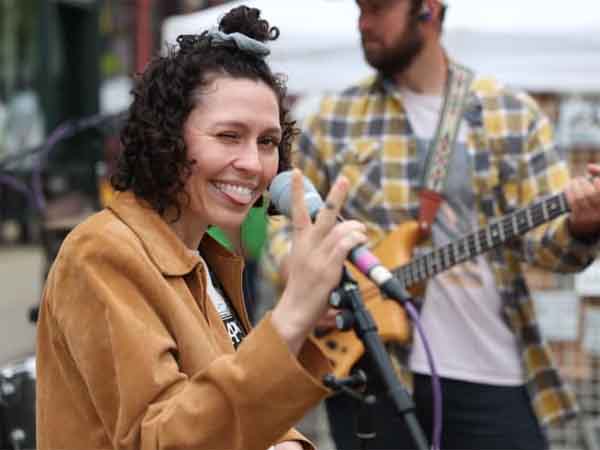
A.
x: 165, y: 248
x: 169, y: 253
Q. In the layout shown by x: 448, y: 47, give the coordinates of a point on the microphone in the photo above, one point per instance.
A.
x: 359, y: 256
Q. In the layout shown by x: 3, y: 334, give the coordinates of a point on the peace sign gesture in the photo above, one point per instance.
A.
x: 318, y: 254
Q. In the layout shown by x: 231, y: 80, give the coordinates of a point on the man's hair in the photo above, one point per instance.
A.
x: 154, y: 163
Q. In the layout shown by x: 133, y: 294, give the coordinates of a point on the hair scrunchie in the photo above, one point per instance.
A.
x: 218, y: 38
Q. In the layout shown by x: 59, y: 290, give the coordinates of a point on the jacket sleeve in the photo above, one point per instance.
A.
x: 294, y: 435
x: 103, y: 300
x: 537, y: 171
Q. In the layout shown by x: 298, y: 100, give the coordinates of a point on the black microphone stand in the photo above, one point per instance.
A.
x: 355, y: 315
x: 353, y: 386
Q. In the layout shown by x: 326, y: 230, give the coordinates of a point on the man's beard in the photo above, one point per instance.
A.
x: 395, y: 60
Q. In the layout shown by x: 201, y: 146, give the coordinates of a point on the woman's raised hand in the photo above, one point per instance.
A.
x: 318, y: 254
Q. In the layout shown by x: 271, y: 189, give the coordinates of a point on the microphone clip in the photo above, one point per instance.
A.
x: 352, y: 385
x: 355, y: 386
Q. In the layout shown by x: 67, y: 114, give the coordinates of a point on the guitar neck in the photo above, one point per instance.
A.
x: 480, y: 241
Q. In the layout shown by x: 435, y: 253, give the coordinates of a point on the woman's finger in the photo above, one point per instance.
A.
x: 300, y: 217
x: 594, y: 169
x: 328, y: 214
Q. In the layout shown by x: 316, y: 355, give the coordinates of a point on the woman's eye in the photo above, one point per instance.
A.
x: 270, y: 142
x: 228, y: 136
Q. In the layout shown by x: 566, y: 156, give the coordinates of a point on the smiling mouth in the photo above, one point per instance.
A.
x: 240, y: 194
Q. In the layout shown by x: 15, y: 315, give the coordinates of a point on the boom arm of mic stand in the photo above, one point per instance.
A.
x: 366, y: 329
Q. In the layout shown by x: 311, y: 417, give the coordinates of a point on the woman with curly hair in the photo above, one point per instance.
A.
x: 143, y: 338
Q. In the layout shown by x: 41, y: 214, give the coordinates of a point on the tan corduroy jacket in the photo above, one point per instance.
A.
x: 131, y: 353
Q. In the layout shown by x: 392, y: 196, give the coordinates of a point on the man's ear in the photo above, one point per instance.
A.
x: 425, y: 15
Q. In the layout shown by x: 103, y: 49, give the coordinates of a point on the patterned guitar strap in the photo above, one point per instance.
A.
x: 441, y: 148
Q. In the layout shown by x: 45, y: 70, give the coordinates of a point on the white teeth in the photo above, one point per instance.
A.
x: 234, y: 188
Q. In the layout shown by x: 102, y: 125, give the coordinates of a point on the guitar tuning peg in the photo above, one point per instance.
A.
x: 338, y: 299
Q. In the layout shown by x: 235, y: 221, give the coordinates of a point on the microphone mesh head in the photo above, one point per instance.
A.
x: 281, y: 194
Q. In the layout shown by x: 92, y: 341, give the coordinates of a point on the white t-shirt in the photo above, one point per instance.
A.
x: 462, y: 312
x: 232, y: 324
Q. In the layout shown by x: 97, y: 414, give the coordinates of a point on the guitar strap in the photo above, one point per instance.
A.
x: 442, y: 145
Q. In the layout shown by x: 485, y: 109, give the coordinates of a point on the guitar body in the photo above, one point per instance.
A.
x: 343, y: 348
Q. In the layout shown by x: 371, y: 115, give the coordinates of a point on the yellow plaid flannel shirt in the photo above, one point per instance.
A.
x: 364, y: 134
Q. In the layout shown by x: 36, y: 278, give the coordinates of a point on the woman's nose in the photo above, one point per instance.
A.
x: 249, y: 160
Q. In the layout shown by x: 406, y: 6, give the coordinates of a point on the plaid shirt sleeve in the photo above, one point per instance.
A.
x: 312, y: 150
x: 277, y: 247
x: 537, y: 171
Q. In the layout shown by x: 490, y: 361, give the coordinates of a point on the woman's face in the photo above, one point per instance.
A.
x: 233, y: 134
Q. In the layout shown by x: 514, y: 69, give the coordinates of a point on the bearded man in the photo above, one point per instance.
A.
x: 392, y: 135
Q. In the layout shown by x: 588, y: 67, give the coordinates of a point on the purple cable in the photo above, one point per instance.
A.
x: 36, y: 175
x: 35, y: 195
x: 435, y: 379
x: 61, y: 132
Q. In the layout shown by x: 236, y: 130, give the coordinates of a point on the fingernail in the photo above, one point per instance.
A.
x: 360, y: 236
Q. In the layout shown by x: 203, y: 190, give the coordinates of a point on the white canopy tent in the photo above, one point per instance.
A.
x: 538, y: 45
x: 318, y: 49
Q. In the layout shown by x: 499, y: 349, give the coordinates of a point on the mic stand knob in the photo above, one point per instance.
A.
x: 351, y: 385
x: 339, y: 297
x: 344, y: 320
x: 335, y: 299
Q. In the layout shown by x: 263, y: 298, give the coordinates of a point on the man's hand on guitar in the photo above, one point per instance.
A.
x: 583, y: 195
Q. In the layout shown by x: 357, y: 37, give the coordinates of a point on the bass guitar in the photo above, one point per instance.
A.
x: 344, y: 349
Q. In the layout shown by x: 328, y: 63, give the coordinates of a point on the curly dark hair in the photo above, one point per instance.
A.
x: 154, y: 163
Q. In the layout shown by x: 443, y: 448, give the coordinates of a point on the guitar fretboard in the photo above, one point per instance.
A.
x: 496, y: 233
